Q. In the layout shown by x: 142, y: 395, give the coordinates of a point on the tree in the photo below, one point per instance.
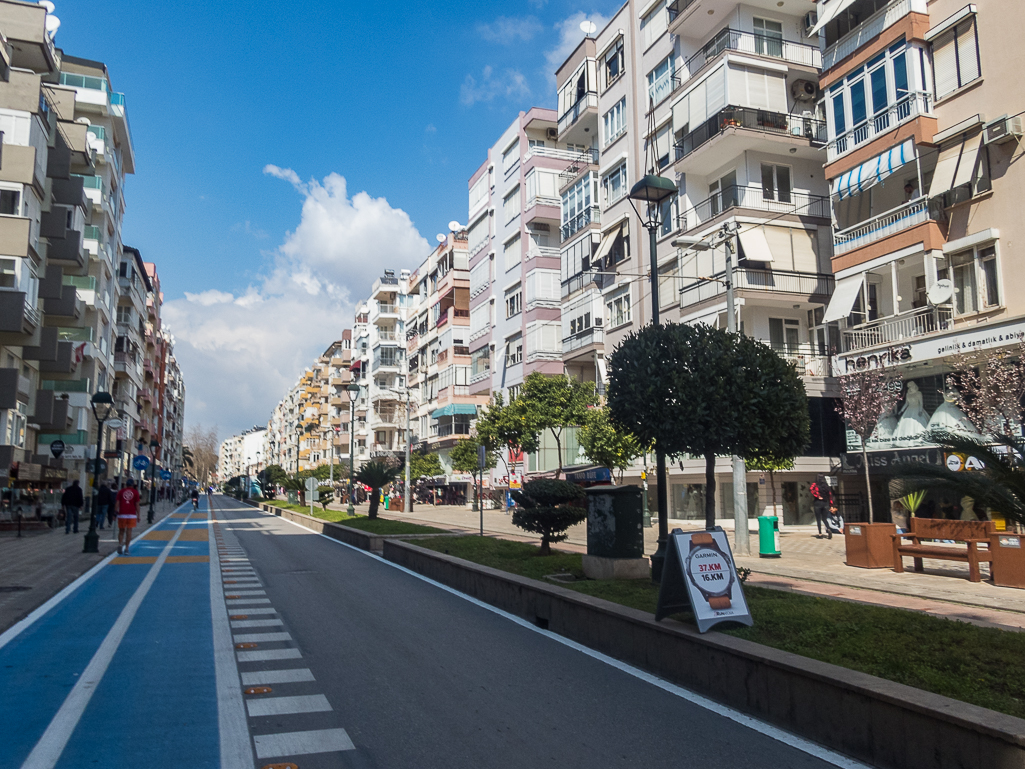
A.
x: 607, y: 444
x: 464, y: 456
x: 377, y: 473
x: 498, y: 428
x: 423, y: 462
x: 551, y: 403
x: 548, y: 507
x: 771, y: 466
x: 864, y: 397
x: 202, y: 447
x: 271, y: 477
x: 326, y: 495
x: 989, y: 391
x: 704, y: 391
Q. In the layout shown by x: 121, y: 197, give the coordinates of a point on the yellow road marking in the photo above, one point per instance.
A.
x: 194, y: 535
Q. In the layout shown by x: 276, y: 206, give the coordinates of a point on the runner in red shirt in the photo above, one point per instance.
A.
x: 127, y: 506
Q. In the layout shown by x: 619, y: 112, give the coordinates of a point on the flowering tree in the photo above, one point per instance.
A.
x: 990, y: 391
x: 864, y: 397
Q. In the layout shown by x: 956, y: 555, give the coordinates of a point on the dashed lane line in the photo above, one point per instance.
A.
x: 261, y: 637
x: 266, y: 655
x: 286, y: 676
x: 302, y: 743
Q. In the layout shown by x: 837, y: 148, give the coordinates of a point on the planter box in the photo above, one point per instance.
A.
x: 870, y: 545
x: 1008, y: 564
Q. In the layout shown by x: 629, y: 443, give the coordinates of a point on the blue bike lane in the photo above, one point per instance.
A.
x: 121, y: 671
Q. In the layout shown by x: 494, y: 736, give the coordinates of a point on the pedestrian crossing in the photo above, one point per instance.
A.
x: 278, y: 689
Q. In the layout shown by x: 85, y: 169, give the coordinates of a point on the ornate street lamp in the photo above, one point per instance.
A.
x: 352, y: 390
x: 103, y: 409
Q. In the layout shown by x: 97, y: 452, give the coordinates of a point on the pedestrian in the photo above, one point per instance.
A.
x: 72, y: 501
x: 103, y: 500
x: 822, y: 497
x: 127, y: 504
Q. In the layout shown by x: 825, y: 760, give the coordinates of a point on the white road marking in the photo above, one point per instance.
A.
x: 302, y: 743
x: 246, y: 601
x: 241, y: 623
x: 229, y: 591
x: 762, y: 727
x: 283, y: 706
x: 47, y: 751
x: 287, y: 676
x: 262, y: 610
x: 258, y: 637
x: 265, y: 655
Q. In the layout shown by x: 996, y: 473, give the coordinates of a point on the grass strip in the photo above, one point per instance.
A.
x: 979, y: 665
x: 361, y: 522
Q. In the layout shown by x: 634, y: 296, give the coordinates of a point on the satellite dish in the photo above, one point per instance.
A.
x: 440, y: 238
x: 940, y: 292
x: 455, y: 226
x: 52, y: 24
x: 588, y: 27
x: 47, y: 5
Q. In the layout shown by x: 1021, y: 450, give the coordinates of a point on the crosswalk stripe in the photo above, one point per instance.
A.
x: 246, y: 601
x: 244, y: 592
x: 242, y: 623
x: 281, y: 706
x: 266, y: 655
x: 261, y: 610
x: 258, y: 637
x: 286, y: 676
x: 302, y: 743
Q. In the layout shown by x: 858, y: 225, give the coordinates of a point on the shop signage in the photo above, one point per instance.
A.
x: 700, y: 575
x: 52, y: 474
x: 851, y: 462
x: 460, y: 478
x: 30, y: 472
x: 57, y: 448
x: 76, y: 451
x: 515, y: 481
x: 958, y: 462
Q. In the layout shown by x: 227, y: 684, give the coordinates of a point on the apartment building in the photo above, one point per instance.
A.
x: 924, y: 118
x: 173, y: 410
x: 382, y: 364
x: 438, y: 353
x: 242, y: 454
x: 130, y: 356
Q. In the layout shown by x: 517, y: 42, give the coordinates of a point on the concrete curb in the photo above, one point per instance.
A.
x: 879, y: 722
x: 350, y: 536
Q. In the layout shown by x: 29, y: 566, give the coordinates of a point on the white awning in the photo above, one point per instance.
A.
x: 827, y: 11
x: 875, y: 170
x: 605, y: 246
x: 956, y: 165
x: 844, y: 296
x: 756, y: 247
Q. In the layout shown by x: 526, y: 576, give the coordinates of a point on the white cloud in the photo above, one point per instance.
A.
x: 241, y: 352
x: 507, y: 30
x: 511, y: 84
x: 570, y: 36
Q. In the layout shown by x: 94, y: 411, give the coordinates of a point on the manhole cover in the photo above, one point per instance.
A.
x: 13, y: 588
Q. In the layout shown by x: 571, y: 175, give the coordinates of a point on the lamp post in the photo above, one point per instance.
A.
x: 298, y: 440
x: 651, y: 191
x: 103, y: 409
x: 153, y: 446
x: 352, y: 390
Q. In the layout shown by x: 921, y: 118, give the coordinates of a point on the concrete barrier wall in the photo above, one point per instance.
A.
x: 361, y: 539
x: 882, y: 723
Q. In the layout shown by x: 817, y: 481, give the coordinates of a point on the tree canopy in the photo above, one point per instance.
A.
x: 549, y: 507
x: 423, y: 462
x: 550, y: 403
x: 377, y: 473
x: 694, y: 389
x: 464, y: 456
x: 606, y: 443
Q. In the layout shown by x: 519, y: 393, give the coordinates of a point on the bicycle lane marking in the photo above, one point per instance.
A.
x: 48, y: 749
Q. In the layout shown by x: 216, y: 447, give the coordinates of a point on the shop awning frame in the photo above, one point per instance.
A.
x: 845, y: 294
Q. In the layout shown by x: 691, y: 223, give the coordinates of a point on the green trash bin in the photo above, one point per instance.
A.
x: 768, y: 536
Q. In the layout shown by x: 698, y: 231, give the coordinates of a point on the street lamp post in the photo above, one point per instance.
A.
x: 153, y: 445
x: 103, y: 409
x: 298, y: 440
x: 352, y: 390
x: 651, y: 191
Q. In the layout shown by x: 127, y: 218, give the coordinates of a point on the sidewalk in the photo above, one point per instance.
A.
x: 40, y: 564
x: 809, y: 565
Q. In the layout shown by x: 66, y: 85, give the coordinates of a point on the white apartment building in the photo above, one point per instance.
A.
x: 384, y: 364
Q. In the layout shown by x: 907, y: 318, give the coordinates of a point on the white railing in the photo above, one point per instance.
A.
x: 542, y: 251
x: 882, y: 226
x: 806, y: 358
x: 543, y: 355
x: 908, y: 108
x: 869, y: 29
x: 917, y: 322
x: 593, y: 335
x: 552, y: 152
x: 542, y: 200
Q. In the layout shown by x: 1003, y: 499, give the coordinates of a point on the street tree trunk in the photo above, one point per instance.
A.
x: 375, y: 501
x: 710, y: 491
x: 558, y: 449
x: 868, y: 485
x: 772, y: 488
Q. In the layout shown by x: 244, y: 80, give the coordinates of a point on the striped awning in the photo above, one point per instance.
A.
x: 874, y: 171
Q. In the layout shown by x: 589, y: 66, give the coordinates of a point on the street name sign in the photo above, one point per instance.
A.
x: 700, y: 574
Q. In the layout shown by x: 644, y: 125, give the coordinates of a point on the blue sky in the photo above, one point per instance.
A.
x: 260, y: 265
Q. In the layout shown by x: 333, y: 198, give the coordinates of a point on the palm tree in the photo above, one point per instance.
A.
x: 377, y: 474
x: 999, y: 485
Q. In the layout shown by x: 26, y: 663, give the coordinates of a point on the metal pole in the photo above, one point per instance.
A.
x: 407, y: 499
x: 659, y: 556
x: 741, y: 535
x: 92, y: 538
x: 350, y: 510
x: 153, y: 488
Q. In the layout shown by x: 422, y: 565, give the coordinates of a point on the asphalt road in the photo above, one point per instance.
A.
x: 417, y: 676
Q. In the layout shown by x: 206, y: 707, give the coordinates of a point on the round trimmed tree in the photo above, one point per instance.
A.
x: 707, y: 392
x: 549, y: 507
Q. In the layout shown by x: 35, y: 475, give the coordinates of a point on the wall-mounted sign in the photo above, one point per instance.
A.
x: 958, y: 462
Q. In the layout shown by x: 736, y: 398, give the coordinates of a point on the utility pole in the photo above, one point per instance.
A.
x: 407, y: 498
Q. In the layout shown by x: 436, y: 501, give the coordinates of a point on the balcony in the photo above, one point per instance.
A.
x: 17, y: 316
x: 387, y: 309
x: 573, y: 225
x: 588, y: 100
x: 898, y: 328
x: 84, y: 334
x: 904, y: 217
x: 756, y: 122
x: 728, y: 39
x: 581, y: 339
x: 554, y: 153
x: 68, y: 306
x: 806, y: 284
x: 579, y: 163
x: 15, y: 232
x: 908, y: 108
x: 838, y: 50
x: 807, y: 359
x: 543, y: 251
x: 753, y: 198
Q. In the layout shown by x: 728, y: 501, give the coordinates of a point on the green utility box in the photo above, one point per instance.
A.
x: 768, y: 536
x: 615, y: 522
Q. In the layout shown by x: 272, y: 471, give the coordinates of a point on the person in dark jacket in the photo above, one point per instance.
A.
x: 72, y: 501
x: 104, y: 498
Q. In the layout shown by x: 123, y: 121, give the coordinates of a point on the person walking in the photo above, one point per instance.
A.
x: 103, y: 500
x: 822, y: 502
x: 72, y: 500
x: 127, y: 505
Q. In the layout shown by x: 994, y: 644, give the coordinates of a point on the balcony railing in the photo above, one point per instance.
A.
x: 897, y: 328
x: 750, y: 42
x: 387, y: 309
x: 91, y: 232
x: 593, y: 335
x: 77, y: 334
x: 581, y: 220
x: 776, y: 281
x: 543, y: 200
x: 589, y: 99
x: 84, y: 282
x: 753, y: 197
x: 808, y: 359
x: 906, y: 108
x: 677, y: 7
x: 869, y: 29
x: 554, y: 153
x: 751, y: 119
x: 541, y: 251
x: 908, y: 215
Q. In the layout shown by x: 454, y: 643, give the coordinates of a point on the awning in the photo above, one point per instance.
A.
x: 756, y: 247
x: 605, y: 246
x: 454, y: 408
x: 955, y: 165
x: 873, y: 171
x: 827, y: 11
x: 844, y: 296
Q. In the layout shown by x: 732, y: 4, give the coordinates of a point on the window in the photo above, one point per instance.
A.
x: 667, y: 216
x: 955, y: 58
x: 576, y: 258
x: 614, y: 184
x: 479, y: 192
x: 480, y: 317
x: 614, y: 122
x: 662, y: 138
x: 8, y: 273
x: 513, y: 301
x: 776, y: 183
x: 873, y: 97
x: 722, y: 194
x: 480, y: 276
x: 480, y: 361
x: 619, y: 309
x: 660, y: 81
x: 976, y: 280
x: 10, y: 202
x: 511, y: 205
x: 576, y: 206
x: 962, y: 268
x: 532, y: 143
x: 479, y: 234
x: 784, y: 334
x: 543, y: 340
x: 512, y: 252
x: 768, y: 37
x: 580, y: 324
x: 613, y: 62
x: 653, y: 25
x: 542, y: 288
x: 668, y: 285
x: 511, y: 156
x: 514, y: 355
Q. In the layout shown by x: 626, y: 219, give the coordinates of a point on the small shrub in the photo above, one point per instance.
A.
x: 548, y: 507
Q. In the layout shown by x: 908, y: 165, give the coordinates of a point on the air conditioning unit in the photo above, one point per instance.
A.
x: 552, y: 133
x: 810, y: 20
x: 803, y: 90
x: 1003, y: 129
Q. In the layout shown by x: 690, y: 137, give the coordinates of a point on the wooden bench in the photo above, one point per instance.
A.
x: 971, y: 533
